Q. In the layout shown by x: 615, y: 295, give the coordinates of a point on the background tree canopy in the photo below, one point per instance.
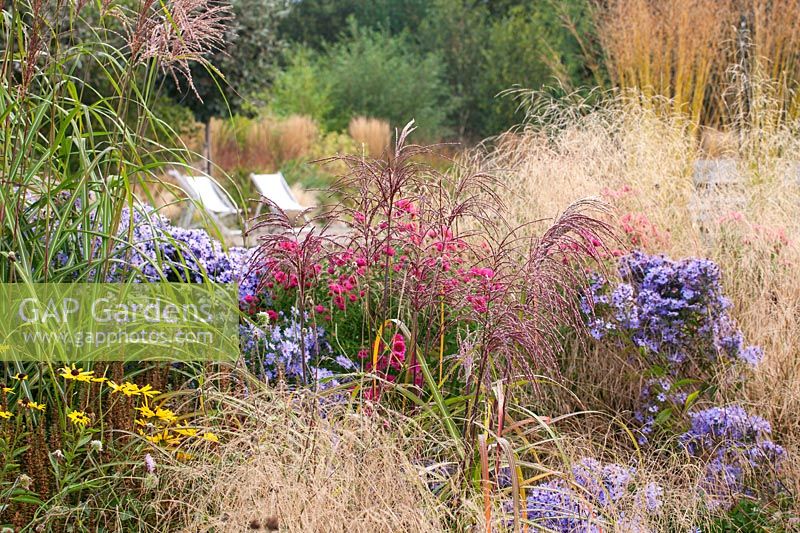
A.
x: 441, y: 62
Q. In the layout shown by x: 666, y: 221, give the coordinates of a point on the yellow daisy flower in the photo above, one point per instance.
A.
x: 185, y: 430
x: 209, y: 436
x: 166, y: 415
x: 146, y: 411
x: 128, y: 389
x: 31, y: 405
x: 20, y: 376
x: 7, y: 390
x: 164, y: 437
x: 148, y: 392
x: 6, y: 414
x: 77, y: 374
x: 79, y: 418
x: 131, y: 389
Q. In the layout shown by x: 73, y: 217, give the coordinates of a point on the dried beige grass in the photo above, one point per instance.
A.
x: 289, y: 465
x: 751, y: 229
x: 262, y: 144
x: 372, y: 134
x: 672, y: 49
x: 297, y: 136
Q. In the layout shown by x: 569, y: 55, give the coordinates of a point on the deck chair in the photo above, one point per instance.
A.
x: 214, y: 200
x: 273, y: 187
x: 715, y: 174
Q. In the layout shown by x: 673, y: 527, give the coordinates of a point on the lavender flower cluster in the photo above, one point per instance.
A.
x: 149, y: 248
x: 160, y: 251
x: 285, y: 349
x: 675, y: 310
x: 676, y: 315
x: 734, y: 445
x: 577, y: 507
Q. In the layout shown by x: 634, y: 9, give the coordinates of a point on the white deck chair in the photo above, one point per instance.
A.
x: 273, y: 187
x: 214, y: 200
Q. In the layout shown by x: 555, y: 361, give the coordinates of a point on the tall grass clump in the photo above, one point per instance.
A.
x: 78, y: 137
x: 434, y: 300
x: 634, y: 152
x: 299, y: 462
x: 671, y: 49
x: 262, y: 144
x: 372, y: 134
x: 692, y: 51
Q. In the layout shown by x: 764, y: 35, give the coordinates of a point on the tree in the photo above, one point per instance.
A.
x: 245, y: 66
x: 317, y: 23
x: 383, y: 76
x: 459, y: 30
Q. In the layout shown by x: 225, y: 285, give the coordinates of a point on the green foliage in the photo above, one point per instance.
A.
x: 459, y: 30
x: 492, y: 48
x: 180, y: 118
x: 527, y: 48
x: 749, y: 515
x: 301, y: 89
x: 78, y: 135
x: 317, y: 23
x: 378, y: 75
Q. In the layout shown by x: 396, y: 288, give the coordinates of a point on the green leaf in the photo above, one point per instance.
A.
x: 691, y: 398
x: 664, y: 416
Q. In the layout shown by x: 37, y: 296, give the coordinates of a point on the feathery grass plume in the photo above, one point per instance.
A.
x: 286, y: 459
x: 442, y: 253
x: 294, y: 256
x: 177, y: 33
x: 372, y: 134
x: 640, y: 160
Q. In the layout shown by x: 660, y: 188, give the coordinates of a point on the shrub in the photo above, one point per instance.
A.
x: 382, y: 76
x: 302, y: 88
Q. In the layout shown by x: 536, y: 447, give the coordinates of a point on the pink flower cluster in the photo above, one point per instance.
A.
x: 640, y: 231
x: 773, y: 236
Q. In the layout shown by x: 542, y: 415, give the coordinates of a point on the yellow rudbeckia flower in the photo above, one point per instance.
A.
x: 166, y: 415
x: 31, y: 404
x: 148, y: 392
x: 209, y: 436
x: 185, y: 430
x: 131, y: 389
x: 6, y: 414
x: 146, y: 411
x: 165, y: 437
x: 79, y: 418
x: 76, y: 374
